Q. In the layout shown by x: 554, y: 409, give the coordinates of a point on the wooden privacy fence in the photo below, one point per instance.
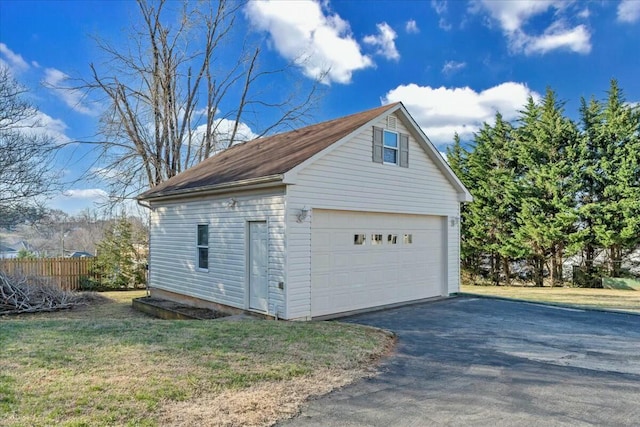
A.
x: 65, y: 273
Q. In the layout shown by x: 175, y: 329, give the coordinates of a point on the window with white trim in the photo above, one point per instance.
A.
x: 408, y: 239
x: 376, y: 239
x: 390, y: 147
x: 392, y: 239
x: 359, y: 239
x: 202, y: 247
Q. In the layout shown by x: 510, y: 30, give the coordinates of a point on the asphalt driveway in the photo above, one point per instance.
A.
x: 484, y: 362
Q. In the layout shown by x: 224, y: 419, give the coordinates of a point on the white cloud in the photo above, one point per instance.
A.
x: 453, y: 66
x: 54, y: 79
x: 385, y: 41
x: 441, y: 112
x: 411, y: 27
x: 13, y: 60
x: 557, y: 37
x: 76, y: 200
x: 41, y: 124
x: 105, y: 173
x: 513, y: 16
x: 629, y: 11
x: 585, y: 13
x: 96, y: 194
x: 318, y: 41
x: 223, y: 129
x: 441, y: 7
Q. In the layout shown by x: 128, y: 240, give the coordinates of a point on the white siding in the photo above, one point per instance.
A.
x: 348, y: 179
x: 172, y: 260
x: 453, y: 262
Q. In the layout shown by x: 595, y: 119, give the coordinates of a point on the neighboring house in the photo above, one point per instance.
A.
x: 26, y: 246
x: 7, y: 252
x: 78, y: 254
x: 349, y: 214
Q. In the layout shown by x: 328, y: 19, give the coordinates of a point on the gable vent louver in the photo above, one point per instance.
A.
x: 392, y: 123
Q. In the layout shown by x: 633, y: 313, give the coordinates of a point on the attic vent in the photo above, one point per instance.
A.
x: 392, y: 122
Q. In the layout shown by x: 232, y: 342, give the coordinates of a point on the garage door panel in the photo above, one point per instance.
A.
x: 348, y: 277
x: 322, y: 262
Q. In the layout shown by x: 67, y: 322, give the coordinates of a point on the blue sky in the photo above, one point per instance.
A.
x: 452, y: 63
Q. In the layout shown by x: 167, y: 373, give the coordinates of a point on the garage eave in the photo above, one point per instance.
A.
x: 247, y: 184
x: 465, y: 197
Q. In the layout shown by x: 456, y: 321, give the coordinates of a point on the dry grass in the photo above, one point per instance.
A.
x: 614, y: 299
x: 104, y: 364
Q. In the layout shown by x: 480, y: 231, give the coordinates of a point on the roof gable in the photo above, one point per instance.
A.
x: 6, y: 249
x: 419, y: 136
x: 264, y: 157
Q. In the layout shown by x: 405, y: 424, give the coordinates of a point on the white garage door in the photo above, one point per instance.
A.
x: 362, y: 259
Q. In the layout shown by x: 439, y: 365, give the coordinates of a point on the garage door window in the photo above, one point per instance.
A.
x: 408, y: 239
x: 392, y: 239
x: 376, y: 239
x: 359, y: 239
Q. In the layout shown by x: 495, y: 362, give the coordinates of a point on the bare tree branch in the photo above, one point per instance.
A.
x: 26, y: 150
x: 183, y: 89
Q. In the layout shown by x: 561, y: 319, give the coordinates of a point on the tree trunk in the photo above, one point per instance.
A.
x: 507, y: 271
x: 559, y: 263
x: 495, y: 269
x: 615, y: 260
x: 589, y: 252
x: 553, y: 269
x: 538, y: 271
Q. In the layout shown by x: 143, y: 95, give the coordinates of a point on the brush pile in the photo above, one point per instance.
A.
x: 19, y: 294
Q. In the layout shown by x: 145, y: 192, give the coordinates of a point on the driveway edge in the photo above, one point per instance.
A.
x: 551, y: 304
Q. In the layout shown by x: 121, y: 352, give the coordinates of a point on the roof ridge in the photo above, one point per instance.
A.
x: 322, y: 123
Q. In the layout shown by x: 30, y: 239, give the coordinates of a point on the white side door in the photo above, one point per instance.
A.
x: 258, y: 266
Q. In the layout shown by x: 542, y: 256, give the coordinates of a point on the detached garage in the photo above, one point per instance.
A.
x: 350, y: 214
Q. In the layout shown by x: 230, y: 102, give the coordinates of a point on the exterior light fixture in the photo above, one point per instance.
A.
x: 303, y: 214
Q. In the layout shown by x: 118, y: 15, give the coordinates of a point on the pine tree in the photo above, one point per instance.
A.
x: 590, y: 178
x: 117, y: 262
x: 618, y: 226
x: 491, y: 217
x: 457, y: 159
x: 546, y: 144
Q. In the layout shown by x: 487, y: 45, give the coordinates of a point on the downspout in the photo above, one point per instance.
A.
x: 147, y: 205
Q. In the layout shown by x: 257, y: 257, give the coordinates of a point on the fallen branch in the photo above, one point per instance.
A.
x: 20, y: 294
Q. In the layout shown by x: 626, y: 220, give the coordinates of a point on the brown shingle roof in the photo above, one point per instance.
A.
x: 272, y: 155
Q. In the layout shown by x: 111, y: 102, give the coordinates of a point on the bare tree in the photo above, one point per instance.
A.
x: 25, y: 151
x: 175, y: 98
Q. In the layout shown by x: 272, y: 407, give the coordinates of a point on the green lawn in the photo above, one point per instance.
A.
x: 614, y: 299
x: 107, y: 365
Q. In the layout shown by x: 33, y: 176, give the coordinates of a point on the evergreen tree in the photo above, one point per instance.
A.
x: 544, y: 190
x: 118, y: 262
x: 618, y: 225
x: 457, y: 159
x: 25, y: 254
x: 490, y: 219
x: 591, y: 182
x: 546, y: 143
